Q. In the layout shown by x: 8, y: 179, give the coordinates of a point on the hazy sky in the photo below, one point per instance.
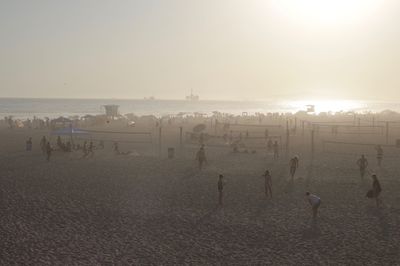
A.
x: 223, y: 49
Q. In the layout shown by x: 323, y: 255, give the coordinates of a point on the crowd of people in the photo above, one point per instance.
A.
x: 88, y: 151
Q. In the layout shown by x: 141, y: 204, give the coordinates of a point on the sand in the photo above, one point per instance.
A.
x: 141, y: 210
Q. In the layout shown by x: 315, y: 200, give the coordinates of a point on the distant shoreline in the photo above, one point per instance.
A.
x: 46, y: 107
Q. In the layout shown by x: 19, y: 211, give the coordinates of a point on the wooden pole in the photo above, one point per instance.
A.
x: 312, y: 145
x: 387, y: 132
x: 180, y: 138
x: 287, y: 138
x: 159, y: 141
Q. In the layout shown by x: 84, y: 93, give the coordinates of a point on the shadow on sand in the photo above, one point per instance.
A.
x: 312, y: 231
x: 382, y: 220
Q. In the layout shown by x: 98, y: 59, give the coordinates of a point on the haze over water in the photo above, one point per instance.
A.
x: 27, y: 108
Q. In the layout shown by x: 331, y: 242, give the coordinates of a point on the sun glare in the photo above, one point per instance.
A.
x: 325, y: 12
x: 321, y: 106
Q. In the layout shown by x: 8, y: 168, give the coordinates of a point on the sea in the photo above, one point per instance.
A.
x: 22, y: 108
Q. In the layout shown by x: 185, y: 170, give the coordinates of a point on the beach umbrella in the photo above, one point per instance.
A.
x: 198, y: 128
x: 61, y: 120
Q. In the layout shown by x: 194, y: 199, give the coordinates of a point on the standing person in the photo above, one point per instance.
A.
x: 201, y: 157
x: 294, y: 164
x: 225, y: 137
x: 362, y: 164
x: 376, y: 189
x: 276, y: 150
x: 29, y: 144
x: 48, y: 151
x: 116, y: 148
x: 85, y: 149
x: 221, y: 185
x: 268, y: 184
x: 315, y: 202
x: 270, y: 145
x: 59, y: 143
x: 266, y: 134
x: 91, y: 149
x: 43, y: 143
x: 68, y: 147
x: 379, y: 154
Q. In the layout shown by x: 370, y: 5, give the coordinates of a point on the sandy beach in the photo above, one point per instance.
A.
x: 147, y: 209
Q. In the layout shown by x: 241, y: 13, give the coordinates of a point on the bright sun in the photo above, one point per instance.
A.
x: 325, y: 12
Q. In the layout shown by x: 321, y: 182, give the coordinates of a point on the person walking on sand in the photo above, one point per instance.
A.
x: 379, y: 154
x: 276, y: 150
x: 201, y: 157
x: 294, y: 164
x: 29, y: 144
x: 221, y: 185
x: 376, y: 190
x: 48, y: 151
x: 362, y: 164
x: 315, y: 202
x: 268, y: 184
x: 91, y: 149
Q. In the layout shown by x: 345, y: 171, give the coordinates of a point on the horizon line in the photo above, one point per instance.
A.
x: 221, y: 100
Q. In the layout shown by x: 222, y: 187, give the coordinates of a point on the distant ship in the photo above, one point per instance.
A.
x: 192, y: 97
x: 151, y: 98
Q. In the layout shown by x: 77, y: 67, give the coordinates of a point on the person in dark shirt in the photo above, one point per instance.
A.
x: 294, y: 164
x: 48, y: 151
x: 268, y: 184
x: 68, y: 147
x: 379, y: 154
x: 376, y: 189
x: 29, y: 144
x: 362, y: 164
x: 201, y: 157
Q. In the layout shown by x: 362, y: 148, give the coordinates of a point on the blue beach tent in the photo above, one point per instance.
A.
x: 69, y: 131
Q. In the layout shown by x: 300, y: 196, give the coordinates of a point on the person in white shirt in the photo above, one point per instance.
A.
x: 315, y: 202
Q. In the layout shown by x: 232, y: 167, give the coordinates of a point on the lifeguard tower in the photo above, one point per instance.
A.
x: 111, y: 110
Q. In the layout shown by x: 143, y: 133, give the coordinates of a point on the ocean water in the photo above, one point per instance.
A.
x: 27, y: 108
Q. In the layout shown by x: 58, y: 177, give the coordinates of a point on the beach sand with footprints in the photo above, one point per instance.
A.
x: 140, y: 210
